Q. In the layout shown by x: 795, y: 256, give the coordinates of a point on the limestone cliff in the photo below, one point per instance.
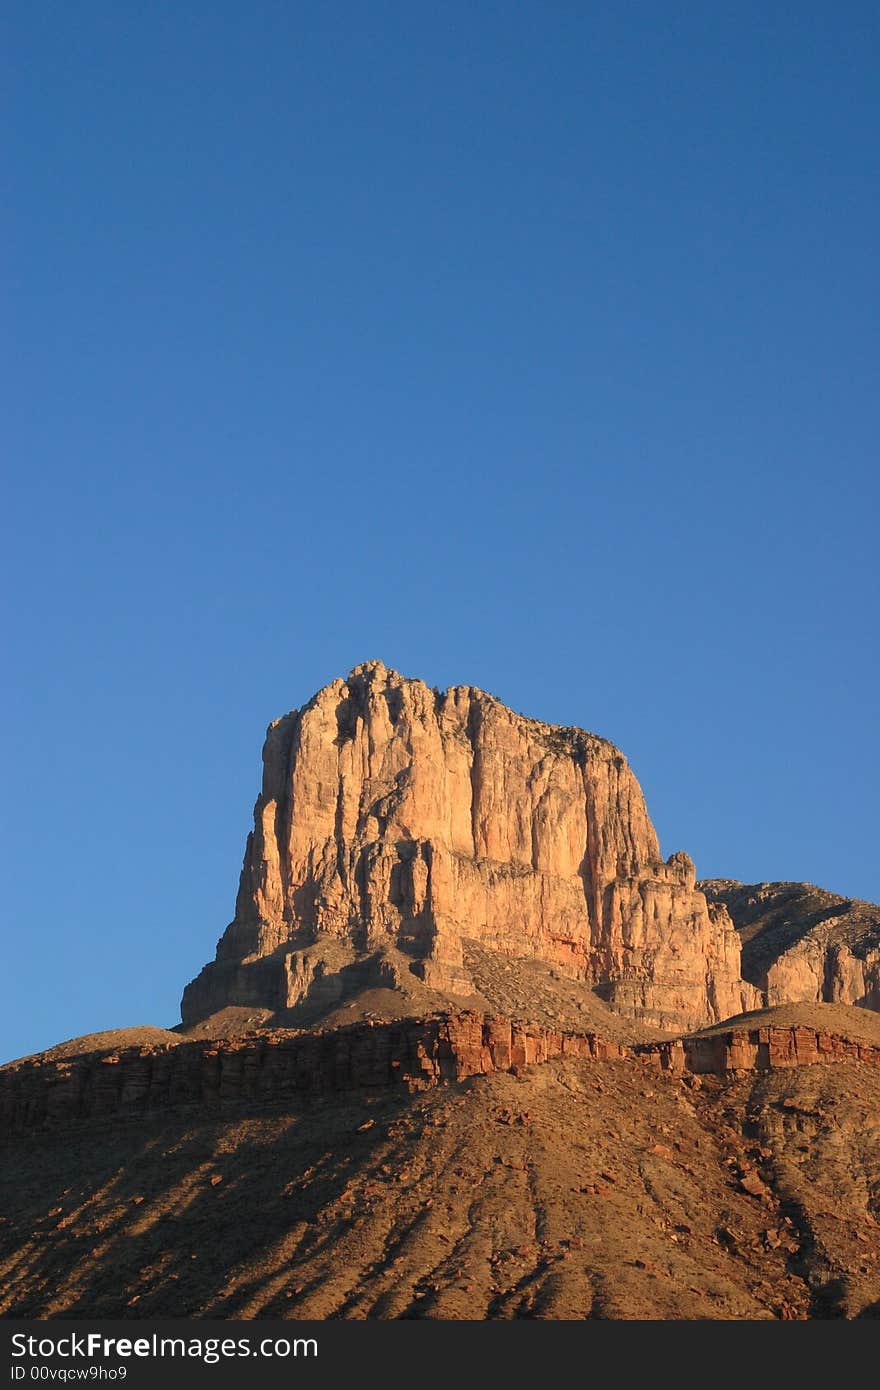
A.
x: 804, y: 944
x: 397, y: 823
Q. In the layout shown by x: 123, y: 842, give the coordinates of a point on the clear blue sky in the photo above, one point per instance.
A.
x: 533, y: 346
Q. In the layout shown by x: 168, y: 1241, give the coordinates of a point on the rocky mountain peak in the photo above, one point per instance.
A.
x: 402, y: 832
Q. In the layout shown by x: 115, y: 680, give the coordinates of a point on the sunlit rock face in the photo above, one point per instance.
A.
x: 396, y: 822
x: 802, y: 944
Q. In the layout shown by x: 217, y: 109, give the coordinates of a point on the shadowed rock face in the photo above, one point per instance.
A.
x: 802, y: 944
x: 396, y: 823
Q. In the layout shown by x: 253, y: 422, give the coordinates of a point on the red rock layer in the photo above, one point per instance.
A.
x: 268, y: 1068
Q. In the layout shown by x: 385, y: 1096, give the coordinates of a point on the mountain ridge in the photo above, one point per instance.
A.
x: 469, y: 1048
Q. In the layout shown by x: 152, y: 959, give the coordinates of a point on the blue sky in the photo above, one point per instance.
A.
x: 532, y: 346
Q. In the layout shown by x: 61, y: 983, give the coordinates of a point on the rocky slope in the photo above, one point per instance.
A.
x: 400, y: 827
x: 801, y: 943
x: 575, y: 1188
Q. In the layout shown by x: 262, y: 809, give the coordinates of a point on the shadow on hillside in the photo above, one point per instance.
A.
x: 157, y: 1218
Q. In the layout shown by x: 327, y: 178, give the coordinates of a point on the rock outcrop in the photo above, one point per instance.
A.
x: 397, y: 822
x: 270, y: 1068
x: 803, y: 944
